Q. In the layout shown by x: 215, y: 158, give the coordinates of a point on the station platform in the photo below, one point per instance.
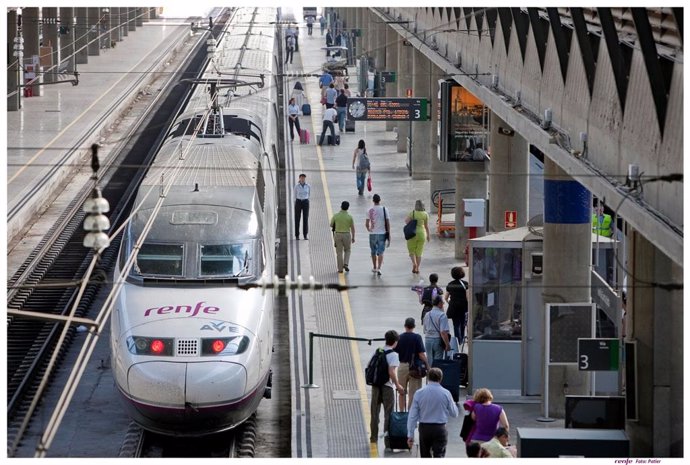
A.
x: 332, y: 420
x: 49, y: 138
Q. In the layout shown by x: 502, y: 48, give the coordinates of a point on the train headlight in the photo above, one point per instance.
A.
x: 138, y: 345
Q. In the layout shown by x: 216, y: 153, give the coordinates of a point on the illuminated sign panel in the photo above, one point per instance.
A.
x: 388, y: 109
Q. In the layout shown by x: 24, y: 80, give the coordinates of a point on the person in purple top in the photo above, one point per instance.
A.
x: 487, y: 416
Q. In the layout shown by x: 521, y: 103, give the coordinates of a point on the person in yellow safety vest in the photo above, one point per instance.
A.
x: 601, y: 222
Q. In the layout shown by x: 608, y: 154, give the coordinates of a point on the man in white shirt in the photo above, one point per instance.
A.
x: 289, y: 49
x: 385, y: 395
x: 302, y: 192
x: 329, y: 116
x: 378, y: 225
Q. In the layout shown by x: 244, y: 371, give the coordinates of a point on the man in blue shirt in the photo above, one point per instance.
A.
x: 324, y: 81
x: 431, y: 406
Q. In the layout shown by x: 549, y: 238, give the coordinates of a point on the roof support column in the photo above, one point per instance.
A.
x: 391, y: 40
x: 30, y: 33
x: 67, y: 40
x: 508, y: 175
x: 470, y: 183
x: 131, y: 19
x: 567, y: 270
x: 81, y: 31
x: 655, y: 319
x: 115, y: 24
x: 360, y: 25
x: 13, y: 70
x: 379, y: 35
x: 50, y: 39
x: 442, y: 173
x: 94, y: 25
x: 404, y: 70
x: 421, y: 130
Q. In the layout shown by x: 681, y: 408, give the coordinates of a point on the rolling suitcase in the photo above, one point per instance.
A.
x: 463, y: 361
x: 451, y: 376
x: 397, y: 430
x: 349, y: 125
x: 304, y: 136
x: 306, y: 109
x: 330, y: 140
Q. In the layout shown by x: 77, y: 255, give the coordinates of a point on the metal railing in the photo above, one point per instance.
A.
x: 312, y: 335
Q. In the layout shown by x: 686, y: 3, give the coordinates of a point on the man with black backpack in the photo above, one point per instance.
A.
x: 381, y: 375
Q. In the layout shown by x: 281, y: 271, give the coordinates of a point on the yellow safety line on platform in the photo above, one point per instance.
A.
x: 361, y: 385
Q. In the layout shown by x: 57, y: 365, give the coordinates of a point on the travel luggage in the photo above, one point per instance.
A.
x: 451, y: 375
x: 304, y: 136
x: 306, y: 109
x: 330, y: 140
x: 349, y: 125
x: 462, y: 360
x: 397, y: 430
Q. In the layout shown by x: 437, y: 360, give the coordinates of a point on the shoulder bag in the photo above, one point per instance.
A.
x: 410, y: 229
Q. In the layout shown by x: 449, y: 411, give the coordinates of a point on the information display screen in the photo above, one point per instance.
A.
x: 388, y: 109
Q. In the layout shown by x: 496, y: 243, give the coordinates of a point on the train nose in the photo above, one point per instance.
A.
x: 181, y: 385
x: 213, y: 382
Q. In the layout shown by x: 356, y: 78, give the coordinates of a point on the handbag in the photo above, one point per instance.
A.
x: 369, y: 183
x: 418, y: 368
x: 323, y: 100
x: 410, y: 229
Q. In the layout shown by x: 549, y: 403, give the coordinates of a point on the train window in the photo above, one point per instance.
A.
x: 160, y: 259
x: 226, y: 259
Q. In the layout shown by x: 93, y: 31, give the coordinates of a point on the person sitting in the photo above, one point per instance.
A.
x: 498, y: 447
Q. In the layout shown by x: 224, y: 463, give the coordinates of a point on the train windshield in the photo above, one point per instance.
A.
x: 160, y: 259
x: 233, y: 259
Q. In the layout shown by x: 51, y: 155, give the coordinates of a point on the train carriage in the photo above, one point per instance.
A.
x: 191, y: 351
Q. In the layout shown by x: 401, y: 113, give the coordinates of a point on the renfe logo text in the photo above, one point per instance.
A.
x: 193, y: 311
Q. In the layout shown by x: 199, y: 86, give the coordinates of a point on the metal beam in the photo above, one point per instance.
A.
x: 540, y: 36
x: 662, y: 233
x: 619, y: 56
x: 506, y: 20
x: 583, y: 39
x: 521, y: 22
x: 491, y: 15
x: 659, y: 83
x: 479, y: 19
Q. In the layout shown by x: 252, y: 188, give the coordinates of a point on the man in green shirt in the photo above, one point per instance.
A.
x: 343, y: 227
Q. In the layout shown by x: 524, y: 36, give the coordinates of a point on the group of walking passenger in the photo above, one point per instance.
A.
x: 485, y: 428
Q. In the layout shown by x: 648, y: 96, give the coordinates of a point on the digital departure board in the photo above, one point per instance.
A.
x: 387, y: 109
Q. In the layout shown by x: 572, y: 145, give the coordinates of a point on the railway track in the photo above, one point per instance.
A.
x: 48, y: 280
x: 236, y: 443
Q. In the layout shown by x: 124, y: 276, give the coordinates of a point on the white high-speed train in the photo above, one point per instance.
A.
x: 191, y: 352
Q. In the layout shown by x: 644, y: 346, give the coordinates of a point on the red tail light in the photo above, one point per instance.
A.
x: 157, y: 346
x: 218, y: 345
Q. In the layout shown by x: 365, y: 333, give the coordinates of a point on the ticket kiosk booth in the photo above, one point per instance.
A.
x: 506, y: 314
